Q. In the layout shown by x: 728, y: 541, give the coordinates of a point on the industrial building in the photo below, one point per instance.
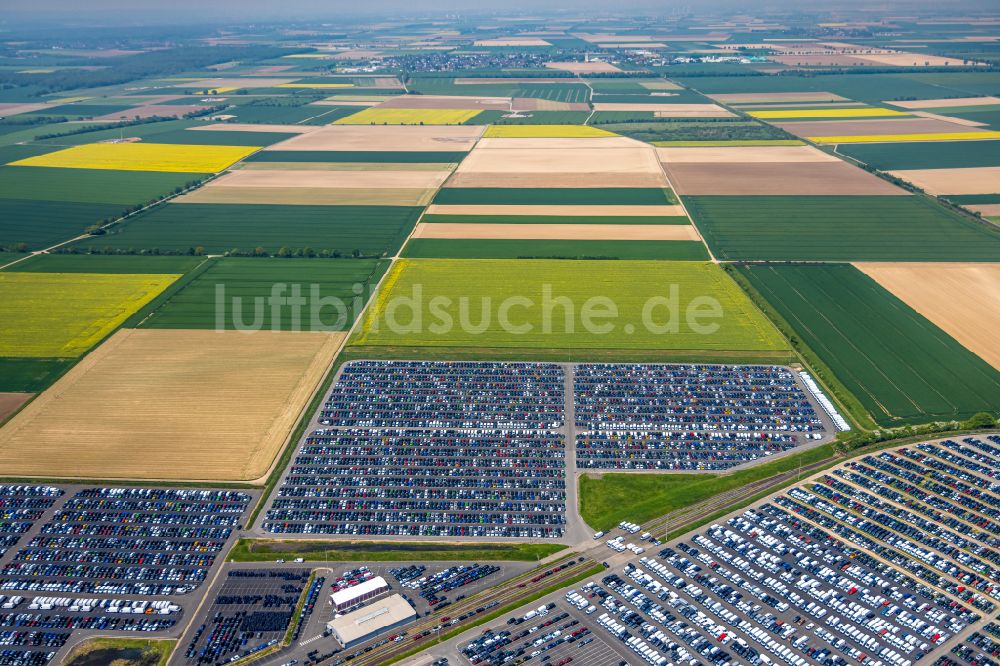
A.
x: 367, y: 622
x: 358, y: 594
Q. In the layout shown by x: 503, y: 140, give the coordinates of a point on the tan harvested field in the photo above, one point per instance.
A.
x: 345, y: 166
x: 743, y: 154
x: 356, y: 54
x: 11, y: 402
x: 234, y: 82
x: 946, y: 103
x: 254, y: 178
x: 310, y: 196
x: 865, y: 127
x: 633, y: 45
x: 152, y: 110
x: 784, y: 178
x: 355, y: 102
x: 557, y: 210
x: 973, y: 180
x: 659, y: 85
x: 660, y: 232
x: 752, y: 98
x: 667, y: 110
x: 583, y: 67
x: 962, y: 299
x: 799, y: 105
x: 820, y: 59
x: 598, y: 179
x: 950, y: 119
x: 535, y: 104
x: 558, y: 143
x: 442, y: 138
x: 170, y: 404
x: 14, y: 108
x: 911, y: 60
x: 507, y: 157
x: 442, y: 102
x: 254, y: 127
x: 512, y: 41
x: 985, y: 209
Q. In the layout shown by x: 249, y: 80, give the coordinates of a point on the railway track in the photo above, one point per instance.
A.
x: 667, y: 523
x: 503, y: 594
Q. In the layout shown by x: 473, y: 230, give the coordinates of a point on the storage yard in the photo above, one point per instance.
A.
x: 603, y: 339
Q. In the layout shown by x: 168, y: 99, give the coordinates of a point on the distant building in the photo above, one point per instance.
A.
x: 352, y: 596
x: 373, y: 619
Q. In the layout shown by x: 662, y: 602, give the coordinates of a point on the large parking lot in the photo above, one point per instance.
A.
x: 688, y: 417
x: 817, y: 574
x: 423, y: 450
x: 82, y: 560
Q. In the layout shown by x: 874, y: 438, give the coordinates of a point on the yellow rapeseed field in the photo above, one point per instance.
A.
x: 867, y: 112
x: 894, y: 138
x: 376, y: 116
x: 65, y: 314
x: 545, y: 132
x: 318, y: 86
x: 142, y: 157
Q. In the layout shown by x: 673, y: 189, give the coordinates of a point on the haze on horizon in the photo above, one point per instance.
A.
x: 125, y: 12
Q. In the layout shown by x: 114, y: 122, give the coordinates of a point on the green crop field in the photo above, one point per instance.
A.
x: 709, y: 130
x: 100, y: 186
x: 291, y: 115
x: 30, y: 375
x: 546, y: 118
x: 925, y: 155
x: 527, y: 196
x: 388, y: 156
x: 447, y: 303
x: 917, y: 373
x: 222, y: 137
x: 107, y: 264
x: 571, y: 91
x: 40, y: 224
x: 460, y: 248
x: 430, y: 218
x: 975, y: 198
x: 839, y: 228
x: 373, y: 230
x: 234, y: 292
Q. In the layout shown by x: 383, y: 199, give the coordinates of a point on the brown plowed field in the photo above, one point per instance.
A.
x: 863, y: 127
x: 170, y: 404
x: 829, y: 178
x: 11, y: 402
x: 743, y: 154
x: 310, y: 196
x: 557, y: 180
x: 332, y: 179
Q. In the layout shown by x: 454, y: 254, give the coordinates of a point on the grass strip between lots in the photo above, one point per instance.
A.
x: 263, y: 550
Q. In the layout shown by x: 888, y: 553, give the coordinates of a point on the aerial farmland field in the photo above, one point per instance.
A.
x: 231, y: 293
x: 142, y: 157
x: 931, y: 155
x: 554, y: 249
x: 918, y: 373
x: 372, y: 230
x: 537, y: 196
x: 182, y: 387
x: 848, y: 228
x: 631, y: 284
x: 64, y: 314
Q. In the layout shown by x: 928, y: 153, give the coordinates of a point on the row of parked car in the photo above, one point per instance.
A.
x: 127, y: 541
x: 403, y: 482
x: 433, y: 588
x: 691, y: 397
x: 731, y: 595
x: 379, y: 394
x: 676, y: 450
x: 21, y: 506
x: 235, y: 630
x: 503, y: 647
